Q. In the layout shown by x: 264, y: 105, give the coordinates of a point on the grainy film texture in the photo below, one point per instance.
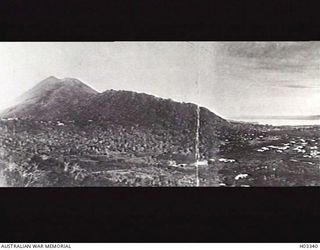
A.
x: 179, y: 114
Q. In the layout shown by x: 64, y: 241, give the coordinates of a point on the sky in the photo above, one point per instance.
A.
x: 233, y: 79
x: 268, y: 79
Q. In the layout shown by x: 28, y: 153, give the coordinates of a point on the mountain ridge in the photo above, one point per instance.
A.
x: 71, y: 99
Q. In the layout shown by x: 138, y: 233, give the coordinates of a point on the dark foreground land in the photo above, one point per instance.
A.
x: 42, y: 153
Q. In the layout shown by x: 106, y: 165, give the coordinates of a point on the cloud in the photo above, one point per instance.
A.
x: 300, y: 86
x: 290, y: 86
x: 273, y: 50
x: 295, y: 57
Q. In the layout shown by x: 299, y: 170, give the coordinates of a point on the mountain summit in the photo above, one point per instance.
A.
x: 52, y: 98
x: 52, y: 85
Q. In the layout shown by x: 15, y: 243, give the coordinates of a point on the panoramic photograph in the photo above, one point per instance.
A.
x: 159, y: 114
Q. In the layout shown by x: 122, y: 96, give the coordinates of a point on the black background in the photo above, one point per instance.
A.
x: 159, y: 214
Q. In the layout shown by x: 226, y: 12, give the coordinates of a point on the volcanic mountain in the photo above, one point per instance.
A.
x: 51, y: 99
x: 70, y: 99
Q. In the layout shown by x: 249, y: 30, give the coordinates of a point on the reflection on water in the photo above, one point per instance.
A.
x: 282, y: 122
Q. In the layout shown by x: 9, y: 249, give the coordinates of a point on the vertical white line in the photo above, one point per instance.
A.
x: 197, y: 151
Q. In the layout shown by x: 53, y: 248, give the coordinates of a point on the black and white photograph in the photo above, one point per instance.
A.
x: 159, y: 114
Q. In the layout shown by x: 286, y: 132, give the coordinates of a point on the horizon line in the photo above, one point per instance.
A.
x: 277, y: 117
